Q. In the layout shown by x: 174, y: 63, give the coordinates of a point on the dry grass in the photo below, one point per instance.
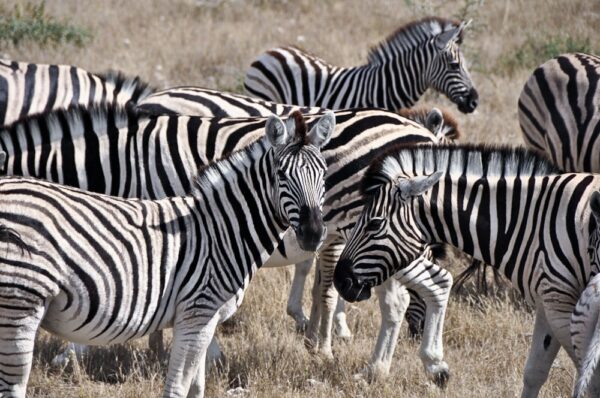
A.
x: 210, y: 43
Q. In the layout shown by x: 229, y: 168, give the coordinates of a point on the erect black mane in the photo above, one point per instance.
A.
x: 494, y: 159
x: 141, y: 89
x: 418, y: 31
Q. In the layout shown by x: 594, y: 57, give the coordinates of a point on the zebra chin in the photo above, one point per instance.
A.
x: 348, y: 285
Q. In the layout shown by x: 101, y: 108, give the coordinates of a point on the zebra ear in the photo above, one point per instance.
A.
x: 434, y: 121
x: 595, y: 205
x: 443, y: 39
x: 409, y: 187
x: 320, y: 134
x: 276, y: 131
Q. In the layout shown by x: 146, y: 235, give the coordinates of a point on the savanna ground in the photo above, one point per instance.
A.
x: 210, y: 43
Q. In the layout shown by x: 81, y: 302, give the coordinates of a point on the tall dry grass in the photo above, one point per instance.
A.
x: 210, y: 43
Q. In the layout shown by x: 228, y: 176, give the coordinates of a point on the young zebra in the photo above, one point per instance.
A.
x: 506, y: 207
x: 109, y: 150
x: 398, y: 71
x: 559, y: 111
x: 100, y: 270
x: 28, y: 89
x: 585, y: 326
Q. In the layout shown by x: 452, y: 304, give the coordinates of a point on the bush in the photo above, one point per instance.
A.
x: 29, y: 22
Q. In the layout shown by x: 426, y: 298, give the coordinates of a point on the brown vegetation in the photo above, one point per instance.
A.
x: 210, y: 43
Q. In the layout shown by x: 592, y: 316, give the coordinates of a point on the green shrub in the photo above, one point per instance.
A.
x: 533, y: 53
x: 29, y: 22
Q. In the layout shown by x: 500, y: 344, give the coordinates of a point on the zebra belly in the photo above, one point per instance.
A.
x: 104, y: 328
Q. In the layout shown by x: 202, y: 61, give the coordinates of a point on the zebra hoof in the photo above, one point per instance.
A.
x: 311, y: 344
x: 441, y: 378
x: 301, y: 325
x: 373, y: 372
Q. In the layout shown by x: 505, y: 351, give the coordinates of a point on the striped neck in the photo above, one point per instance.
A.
x: 392, y: 84
x: 235, y: 196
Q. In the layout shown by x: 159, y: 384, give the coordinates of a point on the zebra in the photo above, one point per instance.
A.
x: 584, y: 320
x: 27, y: 89
x: 98, y: 269
x: 115, y: 151
x: 507, y: 207
x: 398, y: 71
x: 197, y: 101
x: 559, y: 111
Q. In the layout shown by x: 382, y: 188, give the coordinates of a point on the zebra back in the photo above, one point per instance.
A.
x: 27, y: 89
x: 559, y: 111
x: 197, y: 101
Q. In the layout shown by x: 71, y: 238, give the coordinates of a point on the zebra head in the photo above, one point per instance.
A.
x: 448, y: 71
x: 386, y: 237
x: 299, y: 175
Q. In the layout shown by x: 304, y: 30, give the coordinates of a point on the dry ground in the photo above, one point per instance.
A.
x: 210, y: 43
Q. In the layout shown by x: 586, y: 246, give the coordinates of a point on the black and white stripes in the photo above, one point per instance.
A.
x: 506, y: 207
x: 399, y: 70
x: 28, y: 89
x: 559, y: 111
x: 97, y: 269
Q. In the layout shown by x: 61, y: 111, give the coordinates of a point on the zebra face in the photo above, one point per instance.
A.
x: 448, y: 71
x: 299, y: 178
x: 385, y: 239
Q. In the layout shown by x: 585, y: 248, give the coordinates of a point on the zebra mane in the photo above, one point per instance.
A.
x: 211, y: 175
x: 410, y: 36
x: 471, y: 159
x: 75, y: 116
x: 419, y: 114
x: 133, y: 87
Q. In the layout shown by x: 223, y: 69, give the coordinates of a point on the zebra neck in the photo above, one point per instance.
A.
x: 237, y: 202
x: 393, y: 84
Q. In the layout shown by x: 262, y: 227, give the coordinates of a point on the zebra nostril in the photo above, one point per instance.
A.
x: 474, y: 102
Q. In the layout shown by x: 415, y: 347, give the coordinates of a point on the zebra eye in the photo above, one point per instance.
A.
x: 454, y: 65
x: 375, y: 224
x: 281, y: 175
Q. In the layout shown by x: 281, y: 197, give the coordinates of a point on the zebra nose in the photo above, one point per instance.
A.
x: 469, y: 102
x: 311, y: 230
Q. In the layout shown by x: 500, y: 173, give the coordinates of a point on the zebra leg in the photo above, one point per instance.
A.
x: 339, y: 320
x: 186, y: 373
x: 393, y: 301
x: 73, y: 352
x: 294, y: 304
x: 433, y: 284
x: 544, y: 347
x: 214, y: 355
x: 16, y: 348
x: 156, y: 343
x: 312, y: 330
x: 415, y: 315
x: 327, y: 260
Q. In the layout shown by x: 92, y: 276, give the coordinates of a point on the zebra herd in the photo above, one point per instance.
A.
x: 126, y: 210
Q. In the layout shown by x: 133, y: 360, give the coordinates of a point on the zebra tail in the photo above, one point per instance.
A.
x: 589, y: 363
